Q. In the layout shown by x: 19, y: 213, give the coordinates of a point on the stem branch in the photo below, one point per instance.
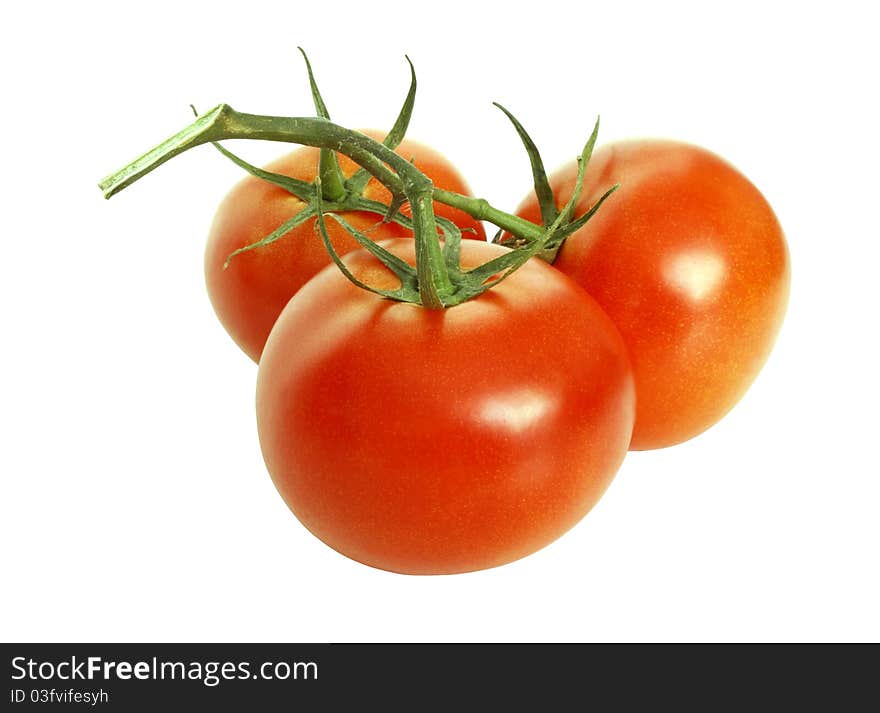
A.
x: 480, y: 209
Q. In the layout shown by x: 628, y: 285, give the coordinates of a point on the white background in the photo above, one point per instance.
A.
x: 135, y: 504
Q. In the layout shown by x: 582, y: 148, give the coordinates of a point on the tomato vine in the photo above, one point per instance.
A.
x: 438, y: 280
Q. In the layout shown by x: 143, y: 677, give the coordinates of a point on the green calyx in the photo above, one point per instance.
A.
x: 437, y: 280
x: 546, y: 197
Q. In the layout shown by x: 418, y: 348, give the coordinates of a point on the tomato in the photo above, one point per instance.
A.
x: 439, y: 441
x: 249, y: 295
x: 690, y: 262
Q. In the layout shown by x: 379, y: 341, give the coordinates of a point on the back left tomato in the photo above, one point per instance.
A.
x: 250, y: 293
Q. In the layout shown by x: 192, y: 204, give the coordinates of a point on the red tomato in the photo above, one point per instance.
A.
x: 690, y: 263
x: 249, y: 295
x: 391, y: 436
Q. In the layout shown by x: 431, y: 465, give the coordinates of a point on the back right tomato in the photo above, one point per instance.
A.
x: 690, y: 262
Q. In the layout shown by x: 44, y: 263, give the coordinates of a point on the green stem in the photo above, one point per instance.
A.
x: 399, y: 175
x: 223, y: 122
x: 434, y: 281
x: 480, y: 209
x: 331, y: 177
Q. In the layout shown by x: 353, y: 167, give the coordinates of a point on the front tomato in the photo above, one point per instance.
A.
x: 439, y: 441
x: 250, y: 293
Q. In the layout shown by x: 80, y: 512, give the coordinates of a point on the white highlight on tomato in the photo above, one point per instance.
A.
x: 697, y: 274
x: 516, y: 411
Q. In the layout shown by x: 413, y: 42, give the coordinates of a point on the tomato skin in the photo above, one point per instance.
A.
x: 441, y: 441
x: 249, y: 295
x: 691, y: 264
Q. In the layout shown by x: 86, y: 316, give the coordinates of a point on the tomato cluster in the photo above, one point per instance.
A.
x: 390, y: 438
x: 472, y: 427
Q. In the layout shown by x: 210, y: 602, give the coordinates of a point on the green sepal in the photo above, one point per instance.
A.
x: 557, y: 232
x: 403, y: 294
x: 505, y: 264
x: 583, y: 160
x: 401, y: 124
x: 451, y: 245
x: 512, y: 261
x: 404, y: 271
x: 359, y: 179
x: 543, y: 191
x: 379, y: 208
x: 332, y: 179
x: 301, y: 189
x: 451, y: 233
x: 280, y: 231
x: 320, y: 106
x: 580, y: 222
x: 392, y: 210
x: 563, y: 225
x: 295, y: 186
